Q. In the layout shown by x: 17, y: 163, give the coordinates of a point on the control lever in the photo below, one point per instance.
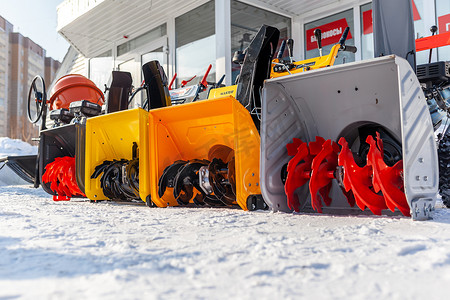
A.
x: 203, y: 84
x: 184, y: 82
x: 290, y: 47
x: 344, y: 36
x: 172, y: 81
x: 433, y: 30
x: 318, y: 35
x: 281, y: 51
x: 220, y: 81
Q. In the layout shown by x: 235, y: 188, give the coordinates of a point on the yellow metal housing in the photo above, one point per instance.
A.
x: 111, y: 137
x: 223, y: 92
x: 309, y: 64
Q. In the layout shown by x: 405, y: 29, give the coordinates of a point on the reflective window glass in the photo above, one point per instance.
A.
x: 196, y: 43
x: 245, y: 23
x: 332, y: 28
x: 100, y: 68
x: 142, y: 39
x: 443, y: 23
x: 367, y: 46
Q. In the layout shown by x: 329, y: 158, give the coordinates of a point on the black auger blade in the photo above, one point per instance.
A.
x: 185, y: 181
x: 113, y: 182
x: 218, y: 176
x: 168, y: 177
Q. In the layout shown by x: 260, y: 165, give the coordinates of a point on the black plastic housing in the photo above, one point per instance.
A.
x: 85, y: 107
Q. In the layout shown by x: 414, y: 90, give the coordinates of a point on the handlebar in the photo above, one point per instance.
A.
x: 347, y: 48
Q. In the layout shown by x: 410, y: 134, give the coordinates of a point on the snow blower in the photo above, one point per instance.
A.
x: 117, y: 165
x: 376, y: 111
x: 207, y: 152
x: 358, y: 135
x: 60, y: 162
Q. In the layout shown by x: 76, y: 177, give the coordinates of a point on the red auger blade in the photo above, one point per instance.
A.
x: 387, y: 179
x: 297, y: 174
x: 359, y: 181
x: 299, y: 167
x: 292, y: 147
x: 61, y: 175
x: 323, y: 166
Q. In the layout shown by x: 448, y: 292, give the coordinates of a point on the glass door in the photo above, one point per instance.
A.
x: 160, y: 54
x: 133, y: 60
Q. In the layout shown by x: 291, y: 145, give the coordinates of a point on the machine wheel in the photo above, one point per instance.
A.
x: 37, y: 98
x: 444, y: 168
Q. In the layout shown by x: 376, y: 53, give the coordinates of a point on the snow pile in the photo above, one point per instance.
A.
x: 11, y: 147
x: 82, y: 250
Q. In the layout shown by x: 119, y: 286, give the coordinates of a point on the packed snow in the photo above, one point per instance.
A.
x: 13, y: 147
x: 108, y: 250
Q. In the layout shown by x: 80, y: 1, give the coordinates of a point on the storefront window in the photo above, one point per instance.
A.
x: 132, y: 67
x: 157, y: 54
x: 245, y: 23
x: 100, y: 68
x: 332, y: 28
x: 420, y: 29
x: 196, y: 43
x: 443, y: 23
x: 142, y: 39
x: 367, y: 31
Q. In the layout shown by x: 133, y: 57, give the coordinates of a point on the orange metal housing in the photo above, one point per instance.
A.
x: 74, y: 87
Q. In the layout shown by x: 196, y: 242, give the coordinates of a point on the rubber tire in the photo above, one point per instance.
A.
x: 444, y: 168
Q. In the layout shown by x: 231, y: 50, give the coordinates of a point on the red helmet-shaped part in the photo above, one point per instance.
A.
x: 74, y: 87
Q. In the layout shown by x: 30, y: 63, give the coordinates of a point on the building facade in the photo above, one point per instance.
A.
x: 21, y: 60
x: 5, y: 29
x: 51, y: 68
x: 188, y: 36
x: 27, y: 61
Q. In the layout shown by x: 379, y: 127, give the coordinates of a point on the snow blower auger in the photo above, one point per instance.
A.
x: 61, y: 151
x: 207, y: 152
x: 117, y: 164
x: 210, y: 181
x: 366, y: 138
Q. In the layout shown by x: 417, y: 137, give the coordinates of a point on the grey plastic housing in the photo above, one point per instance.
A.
x: 334, y: 102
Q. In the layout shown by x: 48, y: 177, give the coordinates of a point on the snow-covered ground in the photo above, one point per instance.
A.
x: 77, y: 250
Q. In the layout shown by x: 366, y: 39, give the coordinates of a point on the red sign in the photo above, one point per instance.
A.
x: 444, y: 23
x: 331, y: 33
x: 367, y: 22
x: 416, y: 15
